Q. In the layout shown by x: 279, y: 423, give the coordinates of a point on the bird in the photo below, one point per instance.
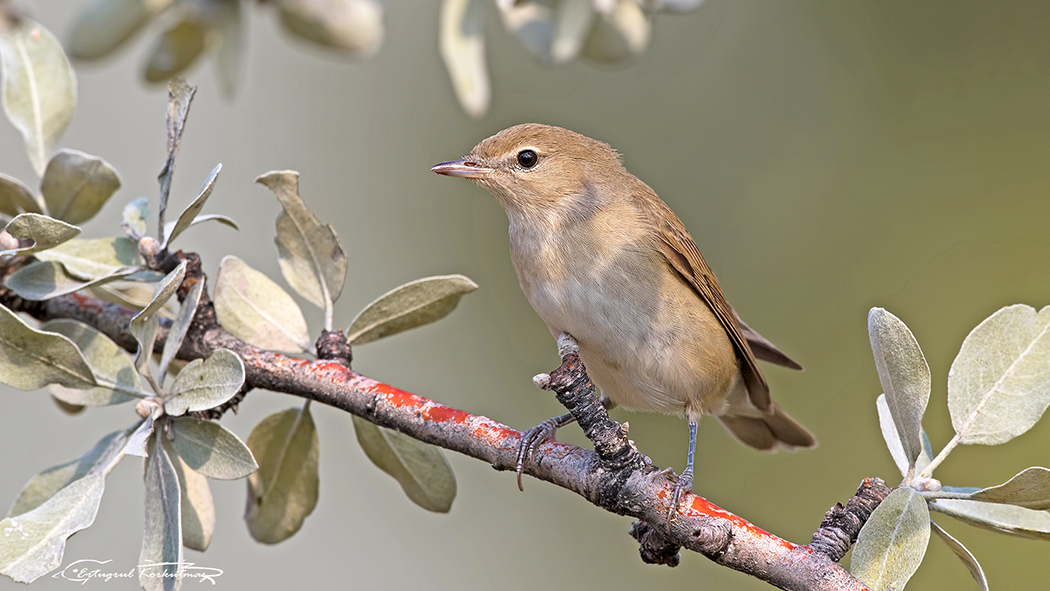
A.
x: 602, y: 258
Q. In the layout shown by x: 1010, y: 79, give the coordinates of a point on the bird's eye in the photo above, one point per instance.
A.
x: 528, y: 158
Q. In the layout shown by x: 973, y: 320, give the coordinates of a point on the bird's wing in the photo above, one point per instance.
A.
x: 681, y: 252
x: 763, y: 348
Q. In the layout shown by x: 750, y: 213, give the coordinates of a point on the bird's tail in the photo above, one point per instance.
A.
x: 771, y: 431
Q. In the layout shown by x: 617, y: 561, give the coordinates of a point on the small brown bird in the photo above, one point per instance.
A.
x: 601, y: 258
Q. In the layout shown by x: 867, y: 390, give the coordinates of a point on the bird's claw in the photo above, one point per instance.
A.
x: 535, y: 437
x: 683, y: 486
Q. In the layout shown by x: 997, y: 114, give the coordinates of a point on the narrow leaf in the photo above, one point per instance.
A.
x: 100, y: 459
x: 138, y: 441
x: 964, y: 555
x: 573, y: 22
x: 38, y: 86
x: 144, y: 325
x: 256, y: 310
x: 162, y: 538
x: 998, y: 386
x: 283, y: 491
x: 1030, y: 488
x: 76, y: 185
x: 206, y: 383
x: 222, y: 219
x: 87, y: 259
x: 1008, y: 519
x: 187, y: 216
x: 196, y: 504
x: 224, y: 22
x: 31, y: 359
x: 413, y: 304
x: 16, y: 198
x: 619, y: 33
x: 44, y: 280
x: 211, y: 449
x: 179, y: 327
x: 532, y: 23
x: 353, y: 26
x: 176, y: 49
x: 180, y: 95
x: 893, y: 542
x: 32, y: 543
x: 905, y: 377
x: 113, y: 369
x: 893, y: 440
x: 44, y: 231
x: 420, y: 468
x: 463, y: 51
x: 105, y: 25
x: 135, y: 215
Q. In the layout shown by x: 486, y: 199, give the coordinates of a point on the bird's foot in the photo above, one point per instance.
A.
x: 535, y: 437
x: 683, y: 486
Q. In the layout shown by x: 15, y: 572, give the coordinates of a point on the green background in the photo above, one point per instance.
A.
x: 827, y: 157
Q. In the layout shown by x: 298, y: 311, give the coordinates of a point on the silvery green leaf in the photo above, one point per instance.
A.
x: 69, y: 409
x: 105, y: 25
x: 222, y: 219
x: 905, y: 377
x: 283, y: 491
x: 46, y: 232
x: 187, y: 216
x: 413, y: 304
x: 675, y: 6
x: 998, y: 386
x: 76, y: 185
x: 1008, y: 519
x: 100, y: 459
x: 1030, y: 489
x: 87, y: 259
x: 44, y: 280
x: 893, y: 542
x: 463, y: 51
x: 138, y: 441
x: 224, y: 21
x: 311, y: 259
x: 420, y: 468
x: 354, y: 26
x: 176, y: 49
x: 618, y: 34
x: 211, y: 449
x: 113, y: 369
x: 532, y: 23
x: 132, y: 294
x: 144, y: 325
x: 206, y: 383
x: 16, y: 198
x: 181, y: 324
x: 196, y: 504
x: 256, y: 310
x: 136, y: 214
x: 573, y: 23
x: 31, y: 359
x: 162, y: 538
x: 893, y: 441
x: 33, y: 542
x: 38, y: 86
x: 964, y: 555
x: 180, y: 96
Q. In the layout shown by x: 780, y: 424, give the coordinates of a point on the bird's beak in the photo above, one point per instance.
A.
x: 463, y: 167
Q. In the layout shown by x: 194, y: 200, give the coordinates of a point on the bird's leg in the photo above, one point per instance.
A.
x: 542, y: 433
x: 685, y: 481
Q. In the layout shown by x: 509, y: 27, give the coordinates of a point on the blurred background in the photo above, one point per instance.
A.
x: 826, y: 156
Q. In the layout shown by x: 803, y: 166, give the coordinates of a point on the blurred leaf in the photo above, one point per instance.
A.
x: 1030, y: 489
x: 38, y: 85
x: 187, y: 216
x: 196, y: 504
x: 31, y: 359
x: 532, y: 23
x: 256, y: 310
x: 100, y: 459
x: 211, y: 449
x: 206, y: 383
x: 283, y: 491
x: 311, y: 259
x: 46, y: 232
x: 999, y: 386
x: 69, y: 409
x: 132, y: 294
x: 139, y: 439
x: 224, y: 21
x: 180, y: 96
x: 893, y: 441
x: 135, y: 215
x: 420, y: 468
x: 893, y: 542
x: 222, y: 219
x: 44, y: 280
x: 673, y: 5
x: 15, y: 197
x: 90, y: 258
x: 112, y: 367
x: 413, y: 304
x: 354, y: 26
x: 618, y: 34
x: 144, y: 325
x: 1008, y: 519
x: 76, y: 185
x: 181, y: 324
x: 162, y: 538
x: 178, y: 47
x: 905, y: 377
x: 105, y: 25
x: 33, y: 542
x: 463, y: 51
x: 572, y: 24
x: 964, y: 555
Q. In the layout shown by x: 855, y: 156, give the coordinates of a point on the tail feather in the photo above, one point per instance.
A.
x: 770, y: 432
